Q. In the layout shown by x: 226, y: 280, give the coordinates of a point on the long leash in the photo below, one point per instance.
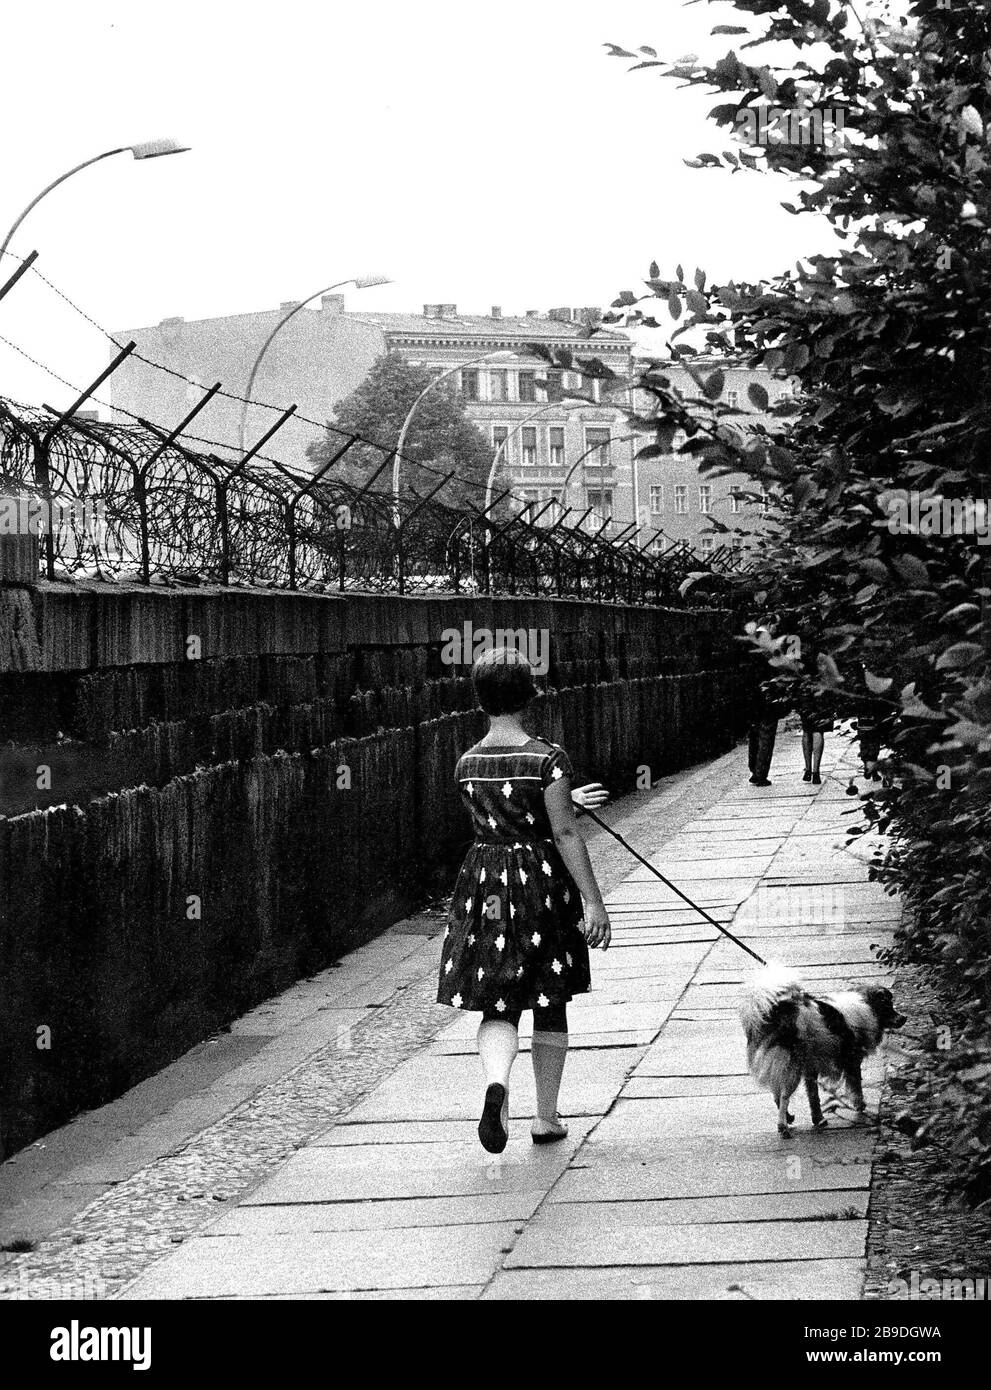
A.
x: 684, y: 896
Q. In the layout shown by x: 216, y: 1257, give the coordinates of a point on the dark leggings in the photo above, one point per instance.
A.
x: 552, y: 1019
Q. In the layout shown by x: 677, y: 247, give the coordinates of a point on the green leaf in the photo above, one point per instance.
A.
x: 757, y: 395
x: 959, y: 655
x: 712, y: 388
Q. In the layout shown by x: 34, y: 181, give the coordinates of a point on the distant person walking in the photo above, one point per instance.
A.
x: 765, y: 711
x: 817, y: 722
x: 518, y: 937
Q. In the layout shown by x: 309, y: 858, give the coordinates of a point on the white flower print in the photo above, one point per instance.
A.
x: 507, y: 790
x: 481, y: 972
x: 500, y: 942
x: 536, y: 938
x: 519, y: 972
x: 471, y: 941
x: 556, y: 966
x: 523, y: 875
x: 449, y: 967
x: 547, y: 900
x: 567, y: 896
x: 567, y: 956
x: 504, y: 879
x: 470, y: 789
x: 467, y: 904
x: 481, y: 876
x: 546, y: 867
x: 556, y: 773
x: 542, y: 1000
x: 501, y: 1005
x: 529, y: 819
x: 456, y: 1001
x: 512, y: 911
x: 492, y: 822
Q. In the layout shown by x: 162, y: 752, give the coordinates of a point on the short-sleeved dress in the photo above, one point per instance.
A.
x: 513, y: 940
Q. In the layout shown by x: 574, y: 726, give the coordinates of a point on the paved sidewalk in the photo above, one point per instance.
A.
x: 673, y: 1183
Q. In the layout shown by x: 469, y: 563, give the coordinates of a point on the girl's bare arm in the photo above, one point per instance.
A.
x: 572, y: 849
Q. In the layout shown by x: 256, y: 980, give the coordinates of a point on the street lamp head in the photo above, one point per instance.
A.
x: 368, y: 282
x: 154, y: 149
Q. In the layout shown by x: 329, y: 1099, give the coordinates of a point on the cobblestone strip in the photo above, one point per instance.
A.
x: 139, y: 1220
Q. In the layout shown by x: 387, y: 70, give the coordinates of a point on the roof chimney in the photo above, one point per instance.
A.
x: 497, y: 311
x: 332, y: 303
x: 288, y: 304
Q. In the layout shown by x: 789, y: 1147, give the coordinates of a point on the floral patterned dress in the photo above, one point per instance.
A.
x: 513, y: 940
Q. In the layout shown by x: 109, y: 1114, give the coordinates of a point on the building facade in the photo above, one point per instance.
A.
x: 561, y: 454
x: 683, y: 504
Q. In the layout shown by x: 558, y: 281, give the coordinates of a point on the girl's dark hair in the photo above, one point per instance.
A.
x: 503, y: 681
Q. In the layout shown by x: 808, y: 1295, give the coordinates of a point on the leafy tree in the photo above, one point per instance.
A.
x: 441, y: 438
x: 890, y: 338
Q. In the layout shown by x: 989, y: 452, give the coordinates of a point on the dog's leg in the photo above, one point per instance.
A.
x: 855, y: 1084
x: 785, y: 1118
x: 812, y: 1091
x: 789, y: 1118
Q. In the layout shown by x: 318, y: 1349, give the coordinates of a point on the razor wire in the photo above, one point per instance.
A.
x: 126, y: 503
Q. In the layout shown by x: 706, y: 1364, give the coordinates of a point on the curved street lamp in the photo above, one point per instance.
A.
x: 360, y: 282
x: 502, y: 355
x: 149, y: 149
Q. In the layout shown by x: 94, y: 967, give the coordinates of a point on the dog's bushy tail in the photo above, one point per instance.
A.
x: 772, y: 985
x: 768, y: 997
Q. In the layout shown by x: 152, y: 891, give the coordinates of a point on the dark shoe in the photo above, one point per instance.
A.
x: 491, y: 1130
x: 551, y: 1136
x: 760, y: 781
x: 806, y: 776
x: 816, y: 780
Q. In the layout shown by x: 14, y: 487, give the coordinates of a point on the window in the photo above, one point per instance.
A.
x: 531, y: 498
x: 705, y: 499
x: 500, y: 433
x: 553, y: 388
x: 528, y: 386
x: 597, y: 447
x: 735, y: 501
x: 528, y: 438
x: 657, y: 497
x: 589, y: 386
x: 557, y: 446
x: 736, y: 542
x: 733, y: 398
x: 469, y: 385
x: 600, y: 499
x: 498, y: 386
x: 681, y: 499
x: 554, y: 513
x: 765, y: 499
x: 707, y: 545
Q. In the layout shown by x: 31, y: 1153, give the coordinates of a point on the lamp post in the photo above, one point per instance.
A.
x: 360, y: 282
x: 499, y: 356
x: 150, y: 149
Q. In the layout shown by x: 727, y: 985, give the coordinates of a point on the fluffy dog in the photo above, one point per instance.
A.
x: 795, y: 1036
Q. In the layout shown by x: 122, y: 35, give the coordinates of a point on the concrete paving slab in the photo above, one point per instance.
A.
x: 636, y: 1243
x: 806, y: 1280
x: 835, y: 1205
x: 249, y: 1266
x: 385, y: 1215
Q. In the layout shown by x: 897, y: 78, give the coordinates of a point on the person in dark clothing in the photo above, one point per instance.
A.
x: 765, y: 711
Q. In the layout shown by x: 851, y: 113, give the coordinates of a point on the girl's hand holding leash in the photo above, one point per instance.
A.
x: 589, y: 797
x: 597, y: 929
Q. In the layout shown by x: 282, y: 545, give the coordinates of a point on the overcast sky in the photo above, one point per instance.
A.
x: 477, y: 154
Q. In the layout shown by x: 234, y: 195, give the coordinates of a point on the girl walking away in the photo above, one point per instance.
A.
x: 517, y: 937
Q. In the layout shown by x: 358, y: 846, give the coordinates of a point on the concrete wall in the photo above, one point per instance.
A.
x: 178, y: 839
